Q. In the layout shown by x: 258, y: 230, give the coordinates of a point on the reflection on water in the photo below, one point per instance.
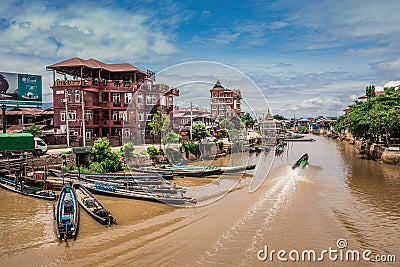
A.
x: 338, y: 195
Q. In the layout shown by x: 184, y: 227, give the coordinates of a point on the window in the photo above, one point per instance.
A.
x: 126, y: 132
x: 123, y: 115
x: 73, y: 132
x: 150, y: 100
x: 77, y: 96
x: 141, y: 116
x: 116, y: 98
x: 69, y: 96
x: 215, y: 94
x: 115, y: 115
x: 88, y: 115
x: 140, y: 99
x: 62, y: 115
x: 148, y: 117
x: 214, y: 107
x: 72, y: 115
x: 128, y: 98
x: 228, y: 108
x: 89, y: 134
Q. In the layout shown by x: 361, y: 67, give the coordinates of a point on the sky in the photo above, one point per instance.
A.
x: 299, y: 58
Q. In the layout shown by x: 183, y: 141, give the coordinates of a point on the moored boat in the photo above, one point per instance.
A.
x: 27, y: 190
x: 303, y: 161
x: 111, y: 190
x: 92, y: 205
x: 183, y: 171
x: 67, y: 213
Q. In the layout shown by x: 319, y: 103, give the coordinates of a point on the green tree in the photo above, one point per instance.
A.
x: 199, y: 131
x: 127, y: 150
x: 248, y: 120
x: 226, y: 124
x: 34, y: 130
x: 159, y: 123
x: 370, y: 91
x: 171, y: 137
x: 109, y: 161
x: 279, y: 117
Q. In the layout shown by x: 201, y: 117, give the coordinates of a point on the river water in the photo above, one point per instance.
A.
x: 338, y: 202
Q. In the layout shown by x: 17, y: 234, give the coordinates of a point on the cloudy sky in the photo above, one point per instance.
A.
x: 308, y: 58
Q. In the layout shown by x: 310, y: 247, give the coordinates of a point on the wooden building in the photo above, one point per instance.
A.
x: 94, y: 99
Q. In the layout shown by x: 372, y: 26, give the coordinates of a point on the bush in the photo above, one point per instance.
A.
x: 96, y: 167
x: 152, y: 151
x: 127, y: 150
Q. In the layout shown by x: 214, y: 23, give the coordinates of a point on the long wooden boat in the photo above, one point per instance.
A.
x: 224, y: 169
x: 67, y: 213
x: 30, y: 191
x: 303, y: 161
x: 147, y: 176
x: 143, y: 182
x: 92, y: 205
x: 182, y: 171
x: 117, y: 192
x: 141, y: 186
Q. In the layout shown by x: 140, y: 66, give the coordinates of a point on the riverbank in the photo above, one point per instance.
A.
x: 389, y: 155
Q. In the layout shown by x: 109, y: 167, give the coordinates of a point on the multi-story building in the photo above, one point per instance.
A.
x: 225, y: 103
x: 184, y: 116
x: 95, y: 99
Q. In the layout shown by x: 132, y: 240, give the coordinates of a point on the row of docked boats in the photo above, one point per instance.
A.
x: 27, y: 190
x: 193, y: 170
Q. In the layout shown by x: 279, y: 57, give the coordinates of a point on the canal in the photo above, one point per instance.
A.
x: 339, y: 202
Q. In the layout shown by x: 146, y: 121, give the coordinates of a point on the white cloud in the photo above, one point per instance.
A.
x: 87, y: 31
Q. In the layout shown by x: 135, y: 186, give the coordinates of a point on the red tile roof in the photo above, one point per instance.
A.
x: 95, y: 64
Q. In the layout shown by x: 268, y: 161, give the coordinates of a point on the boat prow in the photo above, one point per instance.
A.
x: 303, y: 161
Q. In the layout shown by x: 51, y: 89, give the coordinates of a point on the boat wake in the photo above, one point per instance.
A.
x: 256, y: 220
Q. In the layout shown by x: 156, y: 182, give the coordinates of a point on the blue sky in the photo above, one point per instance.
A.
x: 308, y: 58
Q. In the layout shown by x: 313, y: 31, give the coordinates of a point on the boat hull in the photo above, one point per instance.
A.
x: 67, y: 214
x: 92, y: 205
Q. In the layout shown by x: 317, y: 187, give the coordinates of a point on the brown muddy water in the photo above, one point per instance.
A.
x: 338, y: 196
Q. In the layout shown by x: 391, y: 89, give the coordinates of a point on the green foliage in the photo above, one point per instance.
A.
x: 127, y: 150
x: 226, y: 124
x: 279, y: 117
x: 96, y: 167
x: 112, y: 163
x: 199, y: 131
x: 171, y: 137
x: 34, y: 130
x: 395, y: 161
x: 152, y: 151
x: 370, y: 91
x: 378, y: 117
x: 159, y: 123
x: 302, y: 129
x: 65, y: 153
x: 248, y: 120
x: 109, y: 161
x: 173, y: 156
x: 101, y: 149
x: 190, y: 147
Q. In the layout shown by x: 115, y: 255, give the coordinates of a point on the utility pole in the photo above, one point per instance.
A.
x: 191, y: 121
x: 83, y: 121
x: 66, y: 116
x: 3, y: 108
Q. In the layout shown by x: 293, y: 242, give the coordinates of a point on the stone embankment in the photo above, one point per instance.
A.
x: 389, y: 155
